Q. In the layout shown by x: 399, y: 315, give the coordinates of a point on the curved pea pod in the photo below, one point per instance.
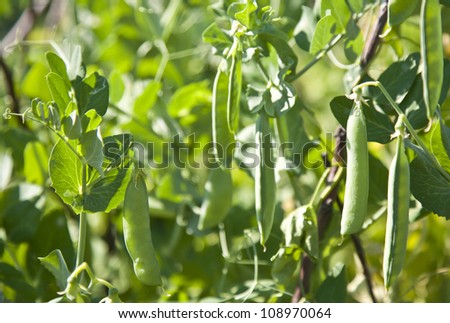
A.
x: 234, y: 92
x: 222, y: 137
x: 397, y: 215
x: 357, y: 178
x: 137, y: 234
x: 218, y: 198
x: 265, y: 186
x: 432, y: 54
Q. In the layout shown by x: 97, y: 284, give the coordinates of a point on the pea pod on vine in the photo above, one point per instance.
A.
x: 137, y: 234
x: 357, y: 179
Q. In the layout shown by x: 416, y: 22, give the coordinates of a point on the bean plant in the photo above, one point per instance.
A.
x: 225, y: 151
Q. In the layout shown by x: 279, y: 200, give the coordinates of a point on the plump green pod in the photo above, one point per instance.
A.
x: 357, y: 180
x: 397, y: 215
x: 234, y: 92
x: 137, y: 234
x: 432, y: 54
x: 218, y: 198
x: 265, y: 186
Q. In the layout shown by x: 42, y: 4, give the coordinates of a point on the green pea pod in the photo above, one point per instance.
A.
x: 357, y: 180
x: 218, y: 198
x: 397, y: 215
x: 432, y: 54
x: 137, y: 234
x: 265, y: 186
x: 222, y: 137
x: 234, y: 92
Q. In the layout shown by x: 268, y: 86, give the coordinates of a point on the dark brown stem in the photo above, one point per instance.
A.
x: 374, y: 38
x: 10, y: 87
x: 323, y: 218
x: 362, y: 258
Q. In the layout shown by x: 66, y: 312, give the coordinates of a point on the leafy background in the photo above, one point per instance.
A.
x: 160, y: 75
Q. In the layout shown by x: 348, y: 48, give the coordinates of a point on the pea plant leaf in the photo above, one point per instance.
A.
x: 92, y: 93
x: 324, y: 32
x: 334, y: 288
x: 58, y: 67
x: 399, y: 11
x: 428, y: 185
x: 92, y: 149
x: 339, y: 10
x: 59, y: 91
x: 379, y: 126
x: 54, y: 262
x: 65, y: 170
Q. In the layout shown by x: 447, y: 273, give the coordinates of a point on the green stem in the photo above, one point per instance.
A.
x: 408, y: 125
x: 82, y: 230
x: 318, y: 187
x: 318, y: 56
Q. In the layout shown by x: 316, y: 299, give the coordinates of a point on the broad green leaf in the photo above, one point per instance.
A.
x: 247, y: 16
x: 284, y: 51
x: 438, y: 142
x: 397, y: 79
x: 90, y: 121
x: 432, y: 54
x: 71, y: 54
x: 21, y: 209
x: 304, y: 30
x: 414, y: 105
x: 223, y: 139
x: 357, y: 6
x: 334, y: 288
x: 58, y: 66
x: 354, y: 43
x: 300, y: 229
x: 92, y: 149
x: 65, y: 170
x: 116, y: 86
x: 14, y: 279
x: 286, y: 266
x: 188, y: 97
x: 54, y: 262
x: 400, y: 10
x: 146, y: 100
x: 59, y: 90
x: 116, y: 149
x: 106, y: 193
x: 379, y: 126
x: 339, y: 10
x: 324, y: 32
x: 428, y: 185
x: 216, y: 37
x: 36, y: 161
x: 92, y: 93
x: 71, y: 125
x: 6, y: 169
x: 445, y: 136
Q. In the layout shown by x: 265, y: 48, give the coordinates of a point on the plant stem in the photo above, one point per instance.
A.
x: 407, y: 124
x: 82, y: 230
x: 318, y: 56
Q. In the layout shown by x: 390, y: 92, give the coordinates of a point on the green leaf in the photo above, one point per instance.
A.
x: 188, y: 97
x: 304, y: 30
x: 428, y: 185
x: 65, y: 169
x: 324, y: 32
x: 36, y: 160
x: 21, y: 210
x: 14, y: 279
x: 397, y: 79
x: 379, y: 126
x: 339, y: 10
x: 247, y: 16
x: 90, y: 121
x: 116, y: 149
x: 357, y: 6
x: 216, y: 37
x: 106, y: 193
x: 58, y: 66
x: 71, y: 54
x: 400, y: 10
x: 146, y: 100
x: 92, y: 149
x: 439, y: 141
x: 432, y: 54
x: 414, y: 105
x: 116, y: 86
x: 445, y: 136
x: 71, y: 125
x: 286, y: 266
x: 334, y: 288
x: 92, y: 93
x: 300, y: 229
x: 54, y: 262
x: 59, y: 90
x: 6, y: 170
x: 288, y: 59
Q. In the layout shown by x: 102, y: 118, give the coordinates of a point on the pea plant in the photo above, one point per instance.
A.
x: 232, y: 151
